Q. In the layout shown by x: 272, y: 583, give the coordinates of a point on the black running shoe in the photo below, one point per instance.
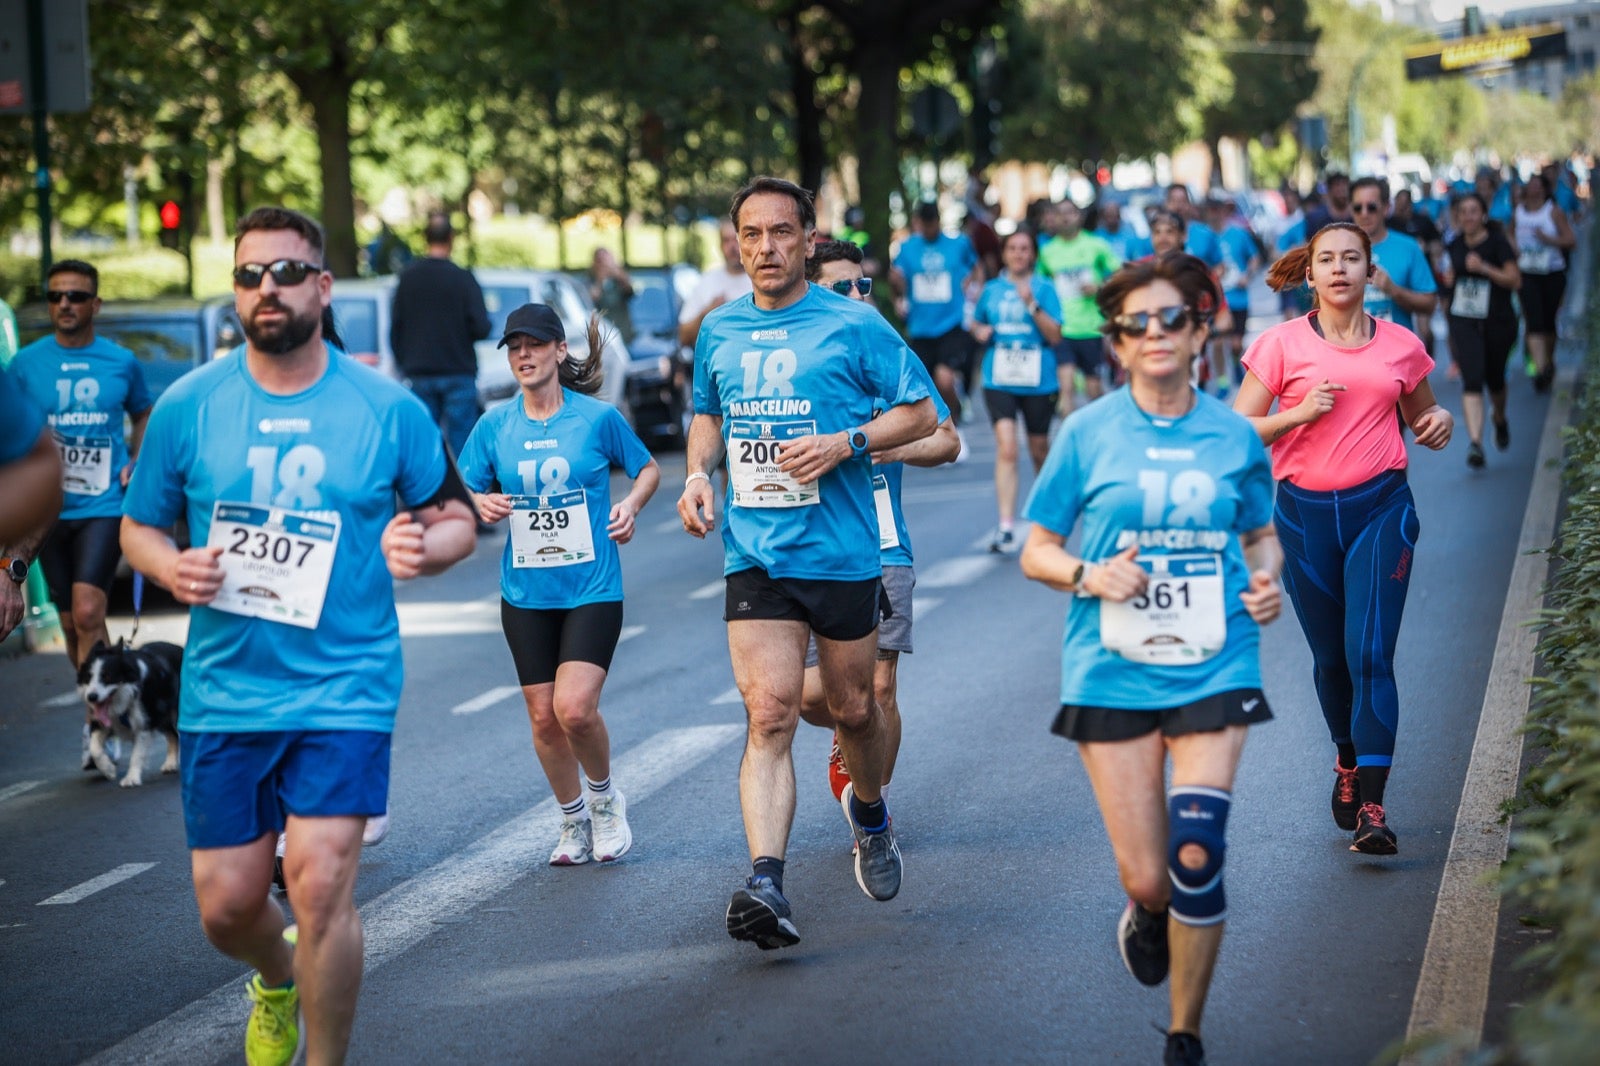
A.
x: 1346, y: 797
x: 1475, y: 455
x: 1502, y: 434
x: 1183, y: 1049
x: 1142, y: 939
x: 1373, y: 835
x: 758, y: 912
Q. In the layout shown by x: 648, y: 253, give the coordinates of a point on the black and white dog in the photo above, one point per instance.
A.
x: 131, y: 693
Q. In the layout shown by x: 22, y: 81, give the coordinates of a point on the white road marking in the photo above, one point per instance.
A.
x: 922, y: 606
x: 209, y: 1029
x: 960, y: 570
x: 66, y: 699
x: 709, y: 589
x: 484, y: 700
x: 938, y: 493
x: 669, y: 525
x: 629, y: 632
x: 449, y: 618
x: 730, y: 696
x: 18, y: 789
x: 97, y: 884
x: 1452, y: 993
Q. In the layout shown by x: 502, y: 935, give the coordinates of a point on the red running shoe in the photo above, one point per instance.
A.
x: 838, y: 774
x: 1373, y: 835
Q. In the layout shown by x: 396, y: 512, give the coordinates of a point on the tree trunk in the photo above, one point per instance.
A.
x: 813, y: 155
x: 328, y: 93
x: 215, y: 222
x: 877, y: 135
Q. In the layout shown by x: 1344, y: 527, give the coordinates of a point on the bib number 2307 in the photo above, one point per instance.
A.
x: 275, y: 563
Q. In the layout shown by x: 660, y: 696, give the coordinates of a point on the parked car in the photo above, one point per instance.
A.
x: 361, y: 308
x: 506, y: 290
x: 659, y: 377
x: 169, y: 337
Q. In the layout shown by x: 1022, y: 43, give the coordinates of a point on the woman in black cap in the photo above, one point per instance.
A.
x: 548, y: 455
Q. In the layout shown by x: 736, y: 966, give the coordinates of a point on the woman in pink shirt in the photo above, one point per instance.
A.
x: 1344, y: 512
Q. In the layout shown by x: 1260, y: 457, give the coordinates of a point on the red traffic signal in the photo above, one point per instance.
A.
x: 171, y: 215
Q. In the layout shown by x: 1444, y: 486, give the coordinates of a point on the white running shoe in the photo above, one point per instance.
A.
x: 376, y: 829
x: 961, y: 456
x: 573, y: 849
x: 609, y: 819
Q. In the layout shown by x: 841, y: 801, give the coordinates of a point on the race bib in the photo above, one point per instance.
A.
x: 1471, y: 299
x: 1018, y: 367
x: 754, y: 449
x: 888, y: 533
x: 85, y: 464
x: 931, y: 288
x: 1179, y: 620
x: 551, y: 530
x: 1539, y: 260
x: 275, y: 563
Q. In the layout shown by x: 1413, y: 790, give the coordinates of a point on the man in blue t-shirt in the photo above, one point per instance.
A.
x: 1402, y: 282
x: 931, y: 274
x: 798, y: 386
x: 1241, y: 260
x: 1114, y: 231
x: 87, y: 386
x: 286, y: 457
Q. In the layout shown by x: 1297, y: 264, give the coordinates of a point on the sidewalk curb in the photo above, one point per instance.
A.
x: 1452, y: 992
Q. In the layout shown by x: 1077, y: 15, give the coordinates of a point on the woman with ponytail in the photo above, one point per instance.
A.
x: 548, y: 455
x: 1344, y: 512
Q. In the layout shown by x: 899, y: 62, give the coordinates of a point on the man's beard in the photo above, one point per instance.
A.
x: 281, y: 338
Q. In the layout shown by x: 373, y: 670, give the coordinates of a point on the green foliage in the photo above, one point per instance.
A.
x: 1268, y: 69
x: 1554, y: 866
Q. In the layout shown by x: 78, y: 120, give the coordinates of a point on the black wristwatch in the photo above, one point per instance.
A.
x: 858, y: 444
x: 16, y: 569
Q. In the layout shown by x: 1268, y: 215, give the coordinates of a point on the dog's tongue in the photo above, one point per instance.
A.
x: 101, y: 713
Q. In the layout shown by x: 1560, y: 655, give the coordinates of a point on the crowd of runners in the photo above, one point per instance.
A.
x: 1197, y: 479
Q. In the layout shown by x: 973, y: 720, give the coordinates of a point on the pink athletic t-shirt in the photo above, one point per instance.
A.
x: 1360, y: 438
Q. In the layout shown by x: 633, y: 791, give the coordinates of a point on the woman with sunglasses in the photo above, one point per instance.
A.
x: 1160, y: 659
x: 1344, y: 512
x: 548, y: 454
x: 1018, y: 320
x: 1482, y: 275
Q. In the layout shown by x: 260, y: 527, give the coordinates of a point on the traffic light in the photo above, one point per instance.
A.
x: 171, y: 221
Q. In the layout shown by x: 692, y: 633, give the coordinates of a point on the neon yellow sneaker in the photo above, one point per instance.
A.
x: 273, y: 1035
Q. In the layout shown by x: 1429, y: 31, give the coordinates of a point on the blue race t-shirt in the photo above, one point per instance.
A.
x: 1201, y: 242
x: 85, y: 392
x: 344, y: 448
x: 561, y: 464
x: 1238, y: 248
x: 1128, y: 245
x: 886, y: 483
x: 934, y: 272
x: 1178, y: 487
x: 1016, y: 369
x: 20, y: 419
x: 1407, y: 264
x: 824, y: 364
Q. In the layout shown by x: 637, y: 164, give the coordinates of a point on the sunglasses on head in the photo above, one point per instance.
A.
x: 1136, y: 323
x: 861, y: 285
x: 1363, y: 209
x: 74, y: 296
x: 284, y: 272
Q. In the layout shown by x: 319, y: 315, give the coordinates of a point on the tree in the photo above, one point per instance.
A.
x: 1268, y: 49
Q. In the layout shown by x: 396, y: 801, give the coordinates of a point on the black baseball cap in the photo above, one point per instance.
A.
x: 537, y: 321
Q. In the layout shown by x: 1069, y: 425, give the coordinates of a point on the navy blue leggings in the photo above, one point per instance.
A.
x: 1347, y: 565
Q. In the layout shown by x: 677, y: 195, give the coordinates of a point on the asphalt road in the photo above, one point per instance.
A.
x: 998, y: 949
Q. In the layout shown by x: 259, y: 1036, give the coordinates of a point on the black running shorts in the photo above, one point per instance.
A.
x: 541, y: 640
x: 1245, y: 706
x: 1036, y: 411
x: 835, y: 610
x: 81, y: 551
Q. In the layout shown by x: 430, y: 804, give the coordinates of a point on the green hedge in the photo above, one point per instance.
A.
x: 1552, y: 876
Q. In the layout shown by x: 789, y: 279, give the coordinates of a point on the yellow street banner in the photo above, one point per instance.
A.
x: 1471, y: 55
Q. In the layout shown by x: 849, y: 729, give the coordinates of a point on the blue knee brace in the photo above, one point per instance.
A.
x: 1199, y: 816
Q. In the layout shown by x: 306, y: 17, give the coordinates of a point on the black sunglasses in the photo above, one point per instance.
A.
x: 285, y: 272
x: 1137, y: 323
x: 861, y: 285
x: 75, y: 296
x: 1365, y: 209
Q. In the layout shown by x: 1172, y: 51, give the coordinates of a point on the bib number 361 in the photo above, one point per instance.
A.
x: 1178, y: 620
